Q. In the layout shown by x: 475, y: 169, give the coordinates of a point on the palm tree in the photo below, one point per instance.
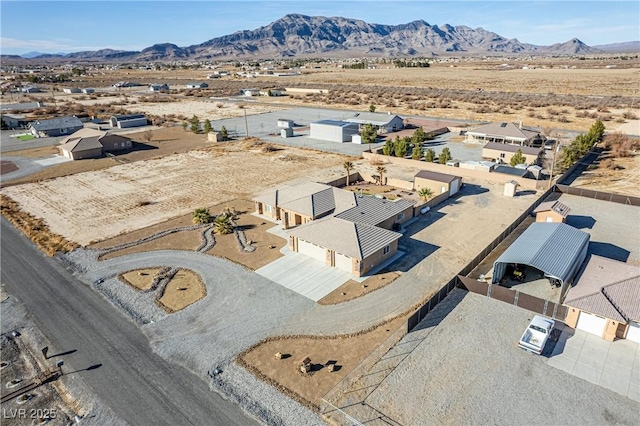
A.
x: 348, y: 166
x: 425, y: 193
x: 201, y: 215
x: 223, y: 225
x: 381, y: 171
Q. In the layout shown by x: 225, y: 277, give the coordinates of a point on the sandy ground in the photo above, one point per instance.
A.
x: 142, y: 279
x: 623, y: 181
x: 202, y: 110
x: 353, y: 289
x: 105, y: 203
x: 185, y: 288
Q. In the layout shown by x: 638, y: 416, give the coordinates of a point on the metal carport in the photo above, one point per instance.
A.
x: 557, y: 249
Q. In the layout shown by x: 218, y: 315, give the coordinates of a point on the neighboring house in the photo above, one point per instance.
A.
x: 250, y: 92
x: 125, y: 121
x: 502, y: 153
x: 88, y: 90
x: 55, y: 127
x: 13, y: 121
x: 438, y: 183
x: 506, y: 133
x: 385, y: 123
x: 31, y: 89
x: 91, y: 143
x: 342, y: 229
x: 25, y: 106
x: 71, y: 90
x: 333, y: 130
x: 158, y: 87
x: 513, y: 171
x: 197, y: 85
x: 552, y: 211
x: 555, y: 249
x: 605, y: 300
x: 85, y: 118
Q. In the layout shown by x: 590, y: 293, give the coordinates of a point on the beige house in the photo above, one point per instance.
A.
x: 502, y: 153
x: 551, y: 211
x: 91, y: 143
x: 344, y: 230
x: 438, y: 183
x: 506, y: 133
x: 605, y: 300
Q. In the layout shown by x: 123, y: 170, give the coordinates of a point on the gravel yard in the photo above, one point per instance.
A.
x: 469, y: 370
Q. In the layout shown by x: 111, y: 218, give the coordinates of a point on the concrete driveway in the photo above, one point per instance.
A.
x: 305, y: 275
x: 612, y: 365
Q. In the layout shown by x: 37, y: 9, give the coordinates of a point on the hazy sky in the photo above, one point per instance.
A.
x: 55, y: 26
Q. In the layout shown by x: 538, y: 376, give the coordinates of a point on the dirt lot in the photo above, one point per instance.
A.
x: 141, y: 279
x: 7, y: 167
x: 624, y: 179
x: 185, y: 288
x: 127, y: 197
x: 353, y: 289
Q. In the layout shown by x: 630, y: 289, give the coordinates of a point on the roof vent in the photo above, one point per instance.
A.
x: 503, y: 124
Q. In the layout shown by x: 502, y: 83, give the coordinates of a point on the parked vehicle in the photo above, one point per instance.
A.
x: 536, y: 335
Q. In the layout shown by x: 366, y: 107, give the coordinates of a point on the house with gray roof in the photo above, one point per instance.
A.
x: 385, y: 123
x: 502, y: 153
x: 605, y: 300
x: 336, y: 226
x: 92, y: 143
x: 55, y: 127
x: 505, y: 133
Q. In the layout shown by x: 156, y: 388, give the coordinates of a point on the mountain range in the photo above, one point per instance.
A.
x: 296, y: 35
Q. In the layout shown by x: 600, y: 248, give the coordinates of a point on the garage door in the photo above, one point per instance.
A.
x: 343, y: 262
x: 591, y: 323
x: 312, y: 250
x: 454, y: 188
x: 633, y: 333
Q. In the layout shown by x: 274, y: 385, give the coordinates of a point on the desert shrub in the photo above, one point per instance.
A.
x: 629, y: 115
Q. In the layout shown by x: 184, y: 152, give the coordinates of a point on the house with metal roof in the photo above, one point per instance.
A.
x: 555, y: 249
x: 333, y: 130
x: 505, y: 133
x: 129, y: 120
x: 605, y: 300
x: 55, y: 127
x: 335, y: 226
x: 502, y: 153
x: 385, y: 123
x: 552, y: 211
x: 91, y: 143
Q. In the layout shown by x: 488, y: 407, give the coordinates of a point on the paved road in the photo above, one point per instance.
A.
x: 139, y: 386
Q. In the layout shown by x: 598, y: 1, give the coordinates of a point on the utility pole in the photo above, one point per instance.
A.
x: 246, y: 125
x: 553, y: 163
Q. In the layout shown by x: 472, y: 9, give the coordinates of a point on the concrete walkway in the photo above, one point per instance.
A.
x: 612, y: 365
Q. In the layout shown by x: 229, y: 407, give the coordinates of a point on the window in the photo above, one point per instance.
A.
x: 386, y: 250
x: 502, y: 155
x: 400, y: 216
x: 267, y: 208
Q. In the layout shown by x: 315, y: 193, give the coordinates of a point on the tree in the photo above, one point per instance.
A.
x: 372, y: 108
x: 224, y: 133
x: 223, y: 225
x: 369, y: 134
x: 387, y: 149
x: 207, y: 126
x: 401, y: 147
x: 517, y: 158
x: 416, y: 153
x: 381, y: 171
x: 184, y: 126
x: 348, y: 166
x: 430, y: 155
x: 425, y: 193
x: 419, y: 136
x: 445, y: 156
x: 201, y: 215
x: 597, y: 130
x: 195, y: 124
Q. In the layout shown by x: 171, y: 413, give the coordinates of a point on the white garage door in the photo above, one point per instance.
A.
x: 343, y: 262
x: 591, y: 323
x: 312, y: 250
x: 454, y: 188
x: 633, y: 333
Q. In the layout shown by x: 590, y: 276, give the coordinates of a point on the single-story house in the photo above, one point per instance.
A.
x: 385, y: 123
x: 31, y: 89
x: 55, y: 127
x: 438, y: 183
x: 197, y: 85
x: 272, y: 92
x: 333, y: 130
x: 88, y: 90
x: 551, y: 211
x: 24, y: 106
x: 250, y: 92
x: 85, y: 118
x: 158, y: 87
x: 605, y: 300
x: 506, y: 133
x: 555, y: 249
x: 502, y: 152
x: 513, y: 171
x: 13, y: 121
x: 124, y: 121
x: 71, y: 90
x: 345, y: 230
x: 91, y: 143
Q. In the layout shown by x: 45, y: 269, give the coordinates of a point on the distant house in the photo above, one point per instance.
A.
x: 88, y: 90
x: 605, y: 300
x: 551, y: 211
x: 333, y: 130
x: 502, y: 153
x: 158, y: 87
x: 91, y: 143
x: 197, y: 85
x: 71, y: 90
x: 272, y: 92
x: 13, y: 121
x: 385, y: 123
x: 125, y: 121
x: 505, y: 133
x: 438, y: 183
x: 513, y: 171
x: 250, y: 92
x: 55, y: 127
x: 31, y: 89
x: 24, y: 106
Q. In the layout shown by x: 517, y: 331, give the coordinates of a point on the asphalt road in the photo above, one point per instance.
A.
x: 138, y: 385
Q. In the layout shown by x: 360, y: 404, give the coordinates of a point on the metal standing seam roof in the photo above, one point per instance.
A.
x: 128, y: 117
x: 57, y: 123
x: 375, y: 118
x: 512, y: 148
x: 372, y: 210
x: 335, y: 123
x: 355, y: 240
x: 557, y: 249
x: 503, y: 130
x: 555, y: 206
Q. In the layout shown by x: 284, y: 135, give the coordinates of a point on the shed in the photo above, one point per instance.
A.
x: 286, y: 133
x: 551, y: 211
x: 333, y: 130
x: 556, y: 249
x: 125, y: 121
x: 510, y: 188
x: 438, y: 183
x: 71, y: 90
x: 215, y: 137
x: 285, y: 123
